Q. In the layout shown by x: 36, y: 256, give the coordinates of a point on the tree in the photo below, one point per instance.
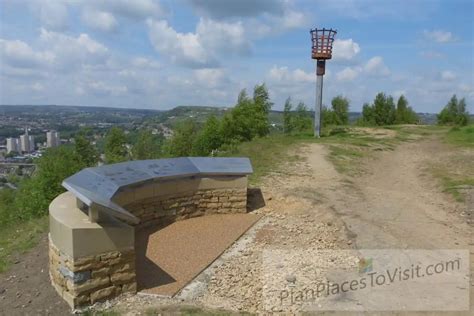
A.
x: 115, y: 146
x: 368, y: 117
x: 287, y: 115
x: 261, y: 98
x: 404, y: 113
x: 209, y: 137
x: 463, y: 115
x: 340, y: 107
x: 147, y: 146
x: 384, y: 110
x: 297, y: 121
x: 327, y: 116
x: 249, y: 118
x: 302, y: 121
x: 85, y: 150
x: 454, y: 113
x: 181, y: 144
x: 35, y: 194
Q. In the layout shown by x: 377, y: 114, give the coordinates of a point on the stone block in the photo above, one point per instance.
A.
x: 213, y: 205
x: 239, y: 205
x: 102, y: 272
x: 122, y: 268
x: 129, y: 287
x: 105, y: 293
x: 88, y: 286
x: 109, y: 255
x: 76, y: 277
x: 236, y: 199
x: 75, y: 301
x: 122, y: 277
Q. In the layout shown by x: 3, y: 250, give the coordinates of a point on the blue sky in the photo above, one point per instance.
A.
x: 161, y: 54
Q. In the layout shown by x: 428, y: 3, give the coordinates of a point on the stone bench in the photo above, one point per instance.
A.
x: 92, y: 225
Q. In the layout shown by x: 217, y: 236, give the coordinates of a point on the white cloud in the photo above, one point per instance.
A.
x: 143, y: 62
x: 448, y: 75
x: 53, y: 14
x: 182, y: 48
x: 101, y: 88
x: 468, y: 90
x: 99, y: 20
x: 71, y: 51
x: 211, y: 77
x: 290, y: 19
x: 219, y: 9
x: 347, y: 74
x: 222, y: 36
x: 376, y: 67
x: 284, y: 75
x: 136, y: 9
x: 202, y: 48
x: 38, y: 87
x: 439, y: 36
x: 345, y: 49
x: 19, y: 54
x: 431, y: 54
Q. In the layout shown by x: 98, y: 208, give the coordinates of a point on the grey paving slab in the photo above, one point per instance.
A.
x: 229, y: 166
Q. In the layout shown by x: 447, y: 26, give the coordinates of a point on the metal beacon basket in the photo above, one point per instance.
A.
x: 322, y: 40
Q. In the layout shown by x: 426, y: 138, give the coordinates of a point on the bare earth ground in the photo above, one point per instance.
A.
x: 25, y: 289
x: 393, y: 203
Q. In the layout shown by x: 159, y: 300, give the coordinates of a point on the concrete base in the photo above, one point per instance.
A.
x: 73, y: 233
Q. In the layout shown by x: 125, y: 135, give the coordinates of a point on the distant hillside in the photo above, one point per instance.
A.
x: 13, y: 118
x: 182, y: 113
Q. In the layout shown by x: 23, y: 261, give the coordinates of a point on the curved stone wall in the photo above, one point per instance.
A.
x: 92, y: 236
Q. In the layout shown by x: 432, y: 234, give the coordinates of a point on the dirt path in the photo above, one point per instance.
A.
x: 398, y: 205
x: 25, y: 289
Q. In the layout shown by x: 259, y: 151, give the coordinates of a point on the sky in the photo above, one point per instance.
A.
x: 158, y: 54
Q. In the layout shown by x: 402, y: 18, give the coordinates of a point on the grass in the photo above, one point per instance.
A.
x: 16, y: 238
x: 267, y: 154
x: 452, y: 183
x: 456, y: 175
x: 347, y: 145
x: 461, y: 136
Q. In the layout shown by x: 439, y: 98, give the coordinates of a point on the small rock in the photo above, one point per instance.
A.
x: 291, y: 278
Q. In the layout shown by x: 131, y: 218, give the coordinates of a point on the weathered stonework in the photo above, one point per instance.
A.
x: 169, y: 208
x: 84, y: 281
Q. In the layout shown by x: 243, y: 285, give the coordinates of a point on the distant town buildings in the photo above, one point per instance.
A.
x: 52, y: 139
x: 24, y: 144
x: 13, y: 144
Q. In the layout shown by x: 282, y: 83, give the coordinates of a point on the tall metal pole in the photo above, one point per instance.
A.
x: 320, y: 70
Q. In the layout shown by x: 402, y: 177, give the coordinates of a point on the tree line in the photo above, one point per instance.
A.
x: 248, y: 119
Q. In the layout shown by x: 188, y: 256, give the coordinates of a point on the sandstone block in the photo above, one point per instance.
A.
x: 212, y: 205
x: 88, y: 286
x: 122, y: 268
x: 105, y: 293
x: 129, y: 287
x: 75, y: 301
x: 123, y: 277
x: 102, y: 272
